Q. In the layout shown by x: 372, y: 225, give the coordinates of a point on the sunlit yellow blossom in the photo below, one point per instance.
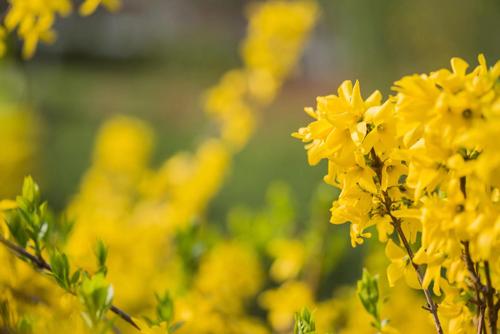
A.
x: 424, y: 168
x: 290, y: 257
x: 283, y: 302
x: 222, y: 279
x: 34, y: 19
x: 400, y: 266
x: 89, y: 6
x: 277, y: 30
x: 336, y: 125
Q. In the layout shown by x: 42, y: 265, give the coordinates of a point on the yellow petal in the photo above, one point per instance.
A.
x: 421, y: 257
x: 356, y: 99
x: 394, y: 273
x: 7, y: 204
x: 407, y: 213
x: 345, y: 90
x: 393, y: 251
x: 411, y: 277
x: 459, y: 66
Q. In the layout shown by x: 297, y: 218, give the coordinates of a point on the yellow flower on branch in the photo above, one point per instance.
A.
x: 400, y: 266
x: 34, y: 19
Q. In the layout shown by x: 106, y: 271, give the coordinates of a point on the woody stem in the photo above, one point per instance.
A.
x: 431, y: 304
x: 41, y: 264
x: 487, y: 302
x: 377, y: 166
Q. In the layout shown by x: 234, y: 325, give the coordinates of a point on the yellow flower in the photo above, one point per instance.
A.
x: 460, y: 319
x: 289, y: 256
x: 400, y: 266
x: 392, y: 171
x: 34, y: 19
x: 7, y: 204
x: 282, y: 303
x: 222, y: 279
x: 277, y: 30
x: 89, y: 6
x: 336, y: 125
x: 123, y: 145
x: 433, y: 270
x: 382, y: 137
x: 353, y: 207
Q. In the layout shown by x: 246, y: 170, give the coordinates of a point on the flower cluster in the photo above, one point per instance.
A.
x: 34, y: 19
x: 150, y: 217
x: 423, y: 168
x: 277, y: 33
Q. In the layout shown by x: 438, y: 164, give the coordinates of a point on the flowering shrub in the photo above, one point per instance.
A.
x: 135, y: 251
x: 151, y: 219
x: 422, y: 168
x: 34, y: 19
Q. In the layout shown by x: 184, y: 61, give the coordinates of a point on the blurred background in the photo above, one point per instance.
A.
x: 154, y: 59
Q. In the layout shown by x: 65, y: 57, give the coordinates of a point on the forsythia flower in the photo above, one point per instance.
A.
x: 400, y: 266
x: 277, y: 32
x: 34, y: 19
x: 425, y: 162
x: 284, y: 302
x: 222, y: 279
x: 346, y: 130
x: 89, y: 6
x: 289, y: 258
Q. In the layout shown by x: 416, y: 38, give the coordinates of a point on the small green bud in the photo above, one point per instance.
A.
x: 31, y: 191
x: 368, y: 293
x: 304, y: 322
x: 165, y: 307
x: 96, y: 294
x: 101, y: 253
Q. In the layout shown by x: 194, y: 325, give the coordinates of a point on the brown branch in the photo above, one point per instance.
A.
x: 474, y: 274
x: 480, y: 326
x: 431, y: 304
x: 41, y: 264
x: 484, y: 294
x: 489, y: 295
x: 488, y: 291
x: 377, y: 165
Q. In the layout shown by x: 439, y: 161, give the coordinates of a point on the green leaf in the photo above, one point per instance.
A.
x: 31, y: 191
x: 304, y: 322
x: 75, y: 278
x: 24, y: 326
x: 368, y: 293
x: 60, y: 268
x: 96, y: 295
x: 101, y: 253
x: 164, y: 307
x: 17, y: 229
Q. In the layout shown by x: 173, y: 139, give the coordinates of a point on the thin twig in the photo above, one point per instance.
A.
x: 488, y: 291
x: 480, y: 326
x: 41, y: 264
x: 489, y: 296
x: 396, y: 223
x: 474, y: 275
x: 431, y: 304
